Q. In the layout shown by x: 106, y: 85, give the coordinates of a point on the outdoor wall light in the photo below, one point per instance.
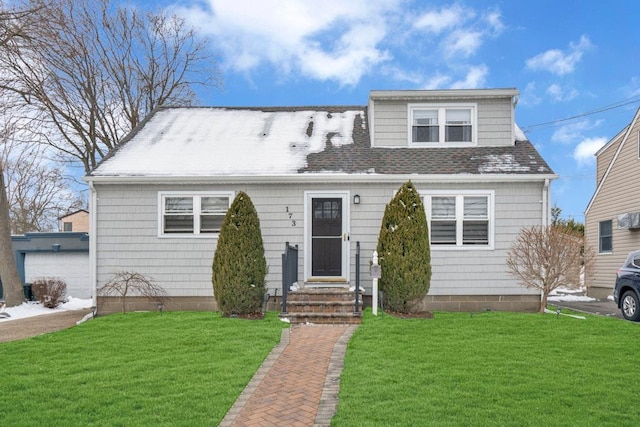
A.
x: 356, y: 199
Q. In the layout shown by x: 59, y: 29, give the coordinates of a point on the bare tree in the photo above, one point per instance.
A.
x: 131, y: 283
x: 14, y: 27
x: 89, y: 72
x: 546, y: 258
x: 94, y: 70
x: 38, y: 189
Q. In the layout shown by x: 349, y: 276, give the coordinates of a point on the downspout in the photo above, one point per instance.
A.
x: 93, y: 254
x: 545, y: 203
x: 545, y: 215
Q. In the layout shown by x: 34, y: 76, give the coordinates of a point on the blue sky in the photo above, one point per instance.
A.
x: 567, y: 58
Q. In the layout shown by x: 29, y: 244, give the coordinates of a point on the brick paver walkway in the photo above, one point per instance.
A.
x: 298, y: 383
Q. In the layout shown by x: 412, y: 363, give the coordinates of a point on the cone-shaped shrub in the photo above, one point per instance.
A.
x: 403, y: 251
x: 239, y: 265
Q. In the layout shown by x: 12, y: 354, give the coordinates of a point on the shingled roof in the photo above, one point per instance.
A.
x: 215, y: 141
x: 360, y: 157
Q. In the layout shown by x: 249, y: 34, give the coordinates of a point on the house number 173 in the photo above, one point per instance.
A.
x: 290, y: 215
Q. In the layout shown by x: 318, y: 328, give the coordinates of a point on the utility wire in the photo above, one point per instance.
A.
x: 628, y: 101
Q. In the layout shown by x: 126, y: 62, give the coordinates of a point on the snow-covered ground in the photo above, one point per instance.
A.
x: 563, y: 294
x: 30, y: 309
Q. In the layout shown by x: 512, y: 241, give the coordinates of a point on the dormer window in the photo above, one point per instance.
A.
x: 437, y: 125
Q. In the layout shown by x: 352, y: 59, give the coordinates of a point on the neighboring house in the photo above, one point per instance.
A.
x: 612, y: 218
x: 157, y: 202
x: 77, y: 221
x: 62, y: 255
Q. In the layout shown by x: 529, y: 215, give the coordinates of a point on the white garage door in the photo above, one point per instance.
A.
x: 72, y: 267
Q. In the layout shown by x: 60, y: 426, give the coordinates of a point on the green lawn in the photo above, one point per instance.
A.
x: 491, y: 368
x: 134, y: 369
x: 456, y: 369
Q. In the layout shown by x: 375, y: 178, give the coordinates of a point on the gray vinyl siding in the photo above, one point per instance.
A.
x: 494, y: 127
x: 618, y: 194
x: 127, y: 235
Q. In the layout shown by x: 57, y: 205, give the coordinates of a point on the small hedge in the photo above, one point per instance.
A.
x: 239, y: 264
x: 403, y: 251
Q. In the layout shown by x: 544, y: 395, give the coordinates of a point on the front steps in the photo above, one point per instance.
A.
x: 323, y: 306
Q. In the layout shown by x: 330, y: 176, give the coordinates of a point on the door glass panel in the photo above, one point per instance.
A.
x: 327, y: 217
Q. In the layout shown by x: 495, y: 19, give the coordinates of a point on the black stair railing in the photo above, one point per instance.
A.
x: 289, y: 271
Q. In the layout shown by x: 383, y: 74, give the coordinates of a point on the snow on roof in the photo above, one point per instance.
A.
x: 229, y: 141
x: 500, y: 163
x: 519, y: 134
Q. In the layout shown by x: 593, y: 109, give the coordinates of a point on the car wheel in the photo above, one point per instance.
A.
x: 630, y: 307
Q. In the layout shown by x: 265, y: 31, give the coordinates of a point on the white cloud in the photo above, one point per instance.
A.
x: 437, y: 81
x: 574, y: 131
x: 445, y: 18
x: 329, y: 40
x: 475, y: 78
x: 462, y: 42
x: 560, y: 62
x: 494, y: 19
x: 633, y: 88
x: 529, y: 97
x: 585, y: 151
x: 342, y: 41
x: 560, y: 94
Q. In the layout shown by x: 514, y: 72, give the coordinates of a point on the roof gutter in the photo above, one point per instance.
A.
x: 319, y: 178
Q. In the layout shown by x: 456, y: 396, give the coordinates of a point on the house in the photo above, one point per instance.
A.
x: 77, y: 221
x: 61, y: 255
x: 157, y: 202
x: 612, y: 217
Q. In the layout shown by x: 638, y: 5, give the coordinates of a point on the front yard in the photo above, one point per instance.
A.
x: 456, y: 369
x: 134, y: 369
x: 491, y: 369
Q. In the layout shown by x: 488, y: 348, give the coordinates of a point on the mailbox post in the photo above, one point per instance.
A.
x: 376, y: 273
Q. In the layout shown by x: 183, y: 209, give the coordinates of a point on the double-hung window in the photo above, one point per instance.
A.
x: 460, y: 220
x: 434, y: 125
x: 192, y: 213
x: 605, y: 236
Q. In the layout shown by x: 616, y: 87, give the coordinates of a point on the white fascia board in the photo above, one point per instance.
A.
x: 319, y: 178
x: 442, y: 94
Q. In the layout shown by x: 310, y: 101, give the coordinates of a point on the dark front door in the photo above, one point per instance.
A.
x: 326, y: 237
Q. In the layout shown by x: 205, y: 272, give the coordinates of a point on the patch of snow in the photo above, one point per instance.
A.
x: 500, y: 163
x: 228, y: 142
x: 570, y: 298
x: 519, y: 134
x: 32, y: 308
x: 565, y: 294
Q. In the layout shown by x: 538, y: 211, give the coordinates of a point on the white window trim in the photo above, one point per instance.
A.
x: 196, y: 233
x: 600, y: 251
x: 441, y: 123
x: 490, y: 194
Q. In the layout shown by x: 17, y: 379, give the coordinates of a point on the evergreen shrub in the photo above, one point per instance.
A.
x: 239, y: 264
x: 403, y: 251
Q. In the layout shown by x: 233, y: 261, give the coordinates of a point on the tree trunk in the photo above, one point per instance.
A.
x: 11, y: 283
x: 543, y: 302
